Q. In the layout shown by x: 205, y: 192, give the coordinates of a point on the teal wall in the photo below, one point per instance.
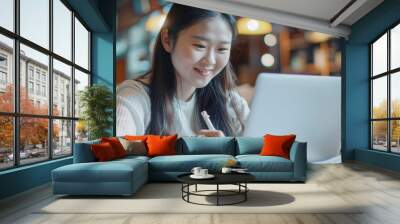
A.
x: 102, y: 69
x: 103, y: 52
x: 380, y: 159
x: 99, y: 15
x: 357, y: 101
x: 24, y: 178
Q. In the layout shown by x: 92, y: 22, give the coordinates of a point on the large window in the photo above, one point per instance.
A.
x: 44, y: 64
x: 385, y: 91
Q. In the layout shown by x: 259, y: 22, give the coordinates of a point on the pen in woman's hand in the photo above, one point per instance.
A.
x: 207, y: 120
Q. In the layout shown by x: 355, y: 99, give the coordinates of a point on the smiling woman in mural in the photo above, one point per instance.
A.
x: 191, y: 73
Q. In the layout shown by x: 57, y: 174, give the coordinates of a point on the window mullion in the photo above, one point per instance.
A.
x: 73, y: 83
x: 16, y: 84
x: 50, y: 81
x: 389, y: 113
x: 371, y: 89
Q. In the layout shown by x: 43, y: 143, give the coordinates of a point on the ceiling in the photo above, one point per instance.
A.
x: 333, y: 17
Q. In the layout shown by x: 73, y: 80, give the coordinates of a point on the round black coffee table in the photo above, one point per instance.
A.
x: 238, y: 179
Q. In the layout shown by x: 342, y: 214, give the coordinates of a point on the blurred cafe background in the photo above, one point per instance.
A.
x: 261, y: 47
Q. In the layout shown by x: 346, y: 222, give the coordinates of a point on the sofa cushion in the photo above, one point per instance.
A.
x: 93, y: 172
x: 83, y: 152
x: 116, y: 145
x: 185, y: 163
x: 134, y: 147
x: 257, y: 163
x: 249, y: 145
x: 206, y: 145
x: 111, y: 171
x: 161, y: 145
x: 136, y: 137
x: 131, y: 158
x: 103, y: 152
x: 277, y: 145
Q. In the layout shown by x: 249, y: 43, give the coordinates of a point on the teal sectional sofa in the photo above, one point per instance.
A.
x: 125, y: 176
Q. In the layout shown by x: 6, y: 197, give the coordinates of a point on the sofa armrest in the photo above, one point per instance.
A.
x: 83, y: 152
x: 298, y: 155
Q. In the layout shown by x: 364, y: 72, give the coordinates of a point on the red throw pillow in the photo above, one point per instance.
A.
x: 277, y: 145
x: 103, y: 151
x: 116, y: 145
x: 161, y: 145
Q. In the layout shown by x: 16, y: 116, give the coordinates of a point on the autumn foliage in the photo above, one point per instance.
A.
x: 33, y: 131
x: 380, y: 127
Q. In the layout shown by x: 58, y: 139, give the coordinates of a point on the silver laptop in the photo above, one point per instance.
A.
x: 305, y: 105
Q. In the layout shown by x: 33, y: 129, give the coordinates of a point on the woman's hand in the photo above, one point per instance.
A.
x: 211, y: 133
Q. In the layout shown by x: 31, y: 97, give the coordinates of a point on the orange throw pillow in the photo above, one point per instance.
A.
x: 116, y: 145
x: 103, y: 151
x: 161, y: 145
x: 277, y: 145
x: 136, y: 137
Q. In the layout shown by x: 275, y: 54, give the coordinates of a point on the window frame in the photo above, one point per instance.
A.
x: 16, y: 115
x: 388, y: 74
x: 3, y: 77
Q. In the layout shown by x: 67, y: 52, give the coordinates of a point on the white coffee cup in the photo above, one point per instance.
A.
x: 226, y: 170
x: 203, y: 172
x: 196, y: 170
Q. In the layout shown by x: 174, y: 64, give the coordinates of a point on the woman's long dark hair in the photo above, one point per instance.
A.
x: 212, y: 98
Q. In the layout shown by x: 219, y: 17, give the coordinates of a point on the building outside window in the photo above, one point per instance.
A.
x: 3, y: 61
x: 3, y: 78
x: 30, y: 72
x: 38, y: 89
x: 3, y: 72
x: 55, y: 97
x: 30, y: 87
x: 43, y: 90
x: 37, y: 75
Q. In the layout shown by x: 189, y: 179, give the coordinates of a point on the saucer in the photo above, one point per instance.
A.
x: 208, y: 176
x: 240, y: 171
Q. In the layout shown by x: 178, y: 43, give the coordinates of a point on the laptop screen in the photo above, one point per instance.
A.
x: 308, y: 106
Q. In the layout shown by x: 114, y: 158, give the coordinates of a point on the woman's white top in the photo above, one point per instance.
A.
x: 134, y: 111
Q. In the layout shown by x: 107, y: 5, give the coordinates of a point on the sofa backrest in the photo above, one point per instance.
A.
x: 185, y: 145
x: 249, y: 145
x: 83, y: 152
x: 206, y: 145
x: 192, y: 146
